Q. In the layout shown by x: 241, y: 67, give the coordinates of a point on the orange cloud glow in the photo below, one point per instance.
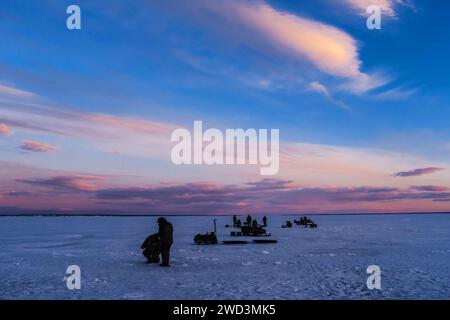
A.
x: 4, y: 130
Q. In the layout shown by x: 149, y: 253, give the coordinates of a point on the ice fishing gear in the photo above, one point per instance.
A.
x: 287, y: 225
x: 306, y: 222
x: 254, y: 231
x: 208, y: 238
x: 248, y: 231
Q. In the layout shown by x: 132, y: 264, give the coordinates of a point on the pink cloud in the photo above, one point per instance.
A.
x: 126, y: 135
x: 330, y: 49
x: 308, y: 42
x: 83, y: 192
x: 322, y: 165
x: 4, y: 130
x: 129, y: 124
x: 35, y: 146
x: 265, y: 196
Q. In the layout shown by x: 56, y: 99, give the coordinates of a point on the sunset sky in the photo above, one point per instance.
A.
x: 86, y: 115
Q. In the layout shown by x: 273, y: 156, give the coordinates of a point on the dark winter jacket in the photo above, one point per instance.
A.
x: 166, y: 233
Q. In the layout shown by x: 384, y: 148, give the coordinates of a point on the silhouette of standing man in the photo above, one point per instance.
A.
x: 166, y: 237
x: 249, y: 220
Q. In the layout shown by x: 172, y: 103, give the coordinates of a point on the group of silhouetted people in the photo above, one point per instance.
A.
x: 304, y: 221
x: 249, y: 221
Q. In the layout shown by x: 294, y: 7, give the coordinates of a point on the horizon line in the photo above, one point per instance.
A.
x: 212, y: 215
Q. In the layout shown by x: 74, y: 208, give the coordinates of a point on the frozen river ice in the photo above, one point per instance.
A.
x: 413, y: 252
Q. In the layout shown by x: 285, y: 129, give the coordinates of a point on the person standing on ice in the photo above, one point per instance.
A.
x: 265, y: 221
x: 234, y: 221
x: 165, y: 234
x: 249, y: 220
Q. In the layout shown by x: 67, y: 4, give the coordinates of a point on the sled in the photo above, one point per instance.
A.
x: 234, y: 242
x: 264, y: 241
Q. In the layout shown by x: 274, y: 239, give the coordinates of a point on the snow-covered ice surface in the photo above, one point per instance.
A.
x: 413, y: 252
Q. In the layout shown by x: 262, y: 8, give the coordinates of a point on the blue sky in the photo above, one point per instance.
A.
x: 231, y: 64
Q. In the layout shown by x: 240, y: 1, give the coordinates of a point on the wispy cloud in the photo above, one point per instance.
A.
x: 418, y: 172
x: 321, y: 89
x: 321, y: 165
x: 4, y: 130
x: 14, y: 193
x: 387, y: 7
x: 35, y: 146
x: 11, y: 91
x: 127, y: 135
x: 364, y: 83
x: 395, y: 94
x: 326, y: 48
x: 431, y: 188
x: 313, y: 164
x: 67, y: 183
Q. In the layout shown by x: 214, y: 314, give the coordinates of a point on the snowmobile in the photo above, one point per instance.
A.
x: 287, y: 225
x: 306, y: 222
x: 208, y: 238
x: 248, y: 231
x: 152, y: 248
